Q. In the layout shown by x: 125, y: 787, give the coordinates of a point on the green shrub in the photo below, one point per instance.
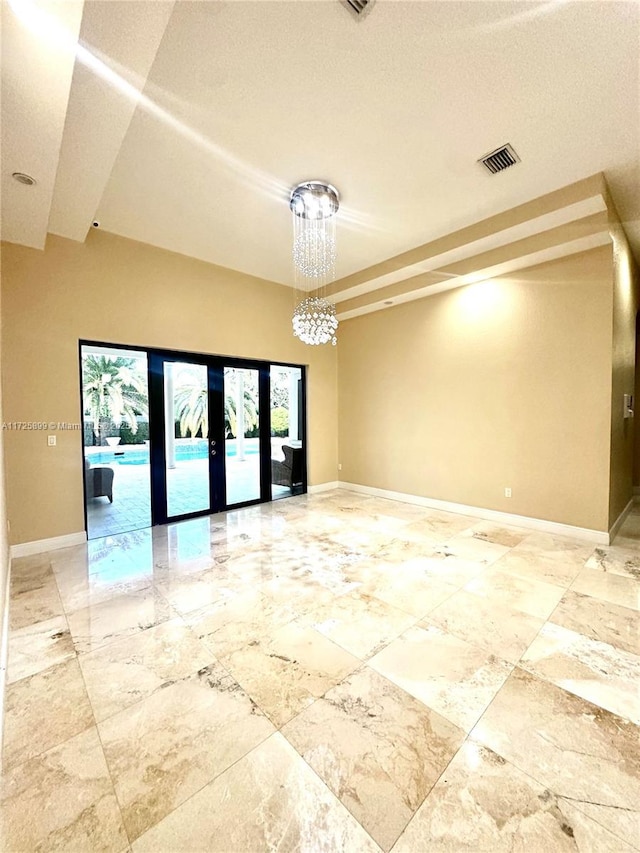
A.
x: 139, y: 437
x: 280, y: 422
x: 89, y: 435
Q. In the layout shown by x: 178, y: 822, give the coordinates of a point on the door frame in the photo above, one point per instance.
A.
x: 217, y: 470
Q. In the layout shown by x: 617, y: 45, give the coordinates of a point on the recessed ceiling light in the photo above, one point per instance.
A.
x: 22, y: 178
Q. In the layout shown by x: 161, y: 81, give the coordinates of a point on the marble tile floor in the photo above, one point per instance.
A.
x: 188, y: 491
x: 331, y: 672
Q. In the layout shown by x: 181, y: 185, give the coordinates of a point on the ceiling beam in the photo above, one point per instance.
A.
x: 38, y: 50
x: 587, y: 233
x: 552, y: 209
x: 382, y: 301
x: 572, y: 219
x: 118, y: 44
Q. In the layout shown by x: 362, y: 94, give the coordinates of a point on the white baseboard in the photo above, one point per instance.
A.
x: 599, y: 537
x: 25, y: 549
x: 617, y: 524
x: 323, y: 487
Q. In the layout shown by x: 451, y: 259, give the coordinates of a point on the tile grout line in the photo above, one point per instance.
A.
x: 325, y: 785
x: 104, y: 756
x: 467, y: 737
x: 215, y: 659
x: 517, y: 665
x: 75, y: 657
x: 93, y: 715
x: 120, y: 807
x: 364, y: 662
x: 517, y: 766
x: 153, y: 692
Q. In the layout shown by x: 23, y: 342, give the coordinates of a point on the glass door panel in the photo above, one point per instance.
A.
x: 186, y: 439
x: 115, y: 408
x: 213, y: 432
x: 242, y: 435
x: 287, y: 430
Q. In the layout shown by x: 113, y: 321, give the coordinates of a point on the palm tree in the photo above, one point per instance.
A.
x: 191, y: 408
x: 113, y: 389
x: 231, y: 415
x: 191, y: 405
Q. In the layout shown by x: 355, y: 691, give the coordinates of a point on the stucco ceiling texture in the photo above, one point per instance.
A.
x: 242, y: 100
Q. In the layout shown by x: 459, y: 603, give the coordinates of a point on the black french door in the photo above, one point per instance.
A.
x: 210, y: 434
x: 173, y: 435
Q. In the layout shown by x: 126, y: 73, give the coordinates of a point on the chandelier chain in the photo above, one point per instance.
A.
x: 314, y: 205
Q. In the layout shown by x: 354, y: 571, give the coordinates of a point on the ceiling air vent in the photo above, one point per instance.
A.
x: 358, y: 7
x: 500, y: 159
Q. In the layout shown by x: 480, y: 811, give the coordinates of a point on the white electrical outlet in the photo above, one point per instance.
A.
x: 51, y: 440
x: 507, y: 492
x: 339, y: 466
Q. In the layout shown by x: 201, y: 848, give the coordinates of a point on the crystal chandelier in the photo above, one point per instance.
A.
x: 315, y: 321
x: 314, y: 205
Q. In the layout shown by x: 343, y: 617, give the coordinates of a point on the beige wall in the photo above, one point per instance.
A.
x: 119, y: 291
x: 4, y: 561
x: 625, y: 308
x: 636, y: 423
x: 502, y: 383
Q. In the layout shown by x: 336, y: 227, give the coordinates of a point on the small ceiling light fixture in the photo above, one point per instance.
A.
x: 314, y: 205
x: 23, y: 178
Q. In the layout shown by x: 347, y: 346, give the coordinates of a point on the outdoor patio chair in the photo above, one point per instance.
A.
x: 98, y: 481
x: 289, y: 472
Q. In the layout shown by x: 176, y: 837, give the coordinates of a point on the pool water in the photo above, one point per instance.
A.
x: 184, y: 452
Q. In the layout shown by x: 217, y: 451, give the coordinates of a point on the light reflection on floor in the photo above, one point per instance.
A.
x: 331, y: 672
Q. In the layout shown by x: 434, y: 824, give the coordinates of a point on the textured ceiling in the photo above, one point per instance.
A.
x: 242, y: 100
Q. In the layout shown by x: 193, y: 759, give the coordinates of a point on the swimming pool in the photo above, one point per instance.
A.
x: 139, y: 454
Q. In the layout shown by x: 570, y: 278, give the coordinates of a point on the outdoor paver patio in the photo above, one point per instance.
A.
x: 187, y: 487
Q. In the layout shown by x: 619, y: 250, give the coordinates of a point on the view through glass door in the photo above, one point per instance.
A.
x: 185, y: 430
x: 242, y: 435
x: 115, y: 413
x: 186, y: 438
x: 287, y: 431
x: 171, y: 436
